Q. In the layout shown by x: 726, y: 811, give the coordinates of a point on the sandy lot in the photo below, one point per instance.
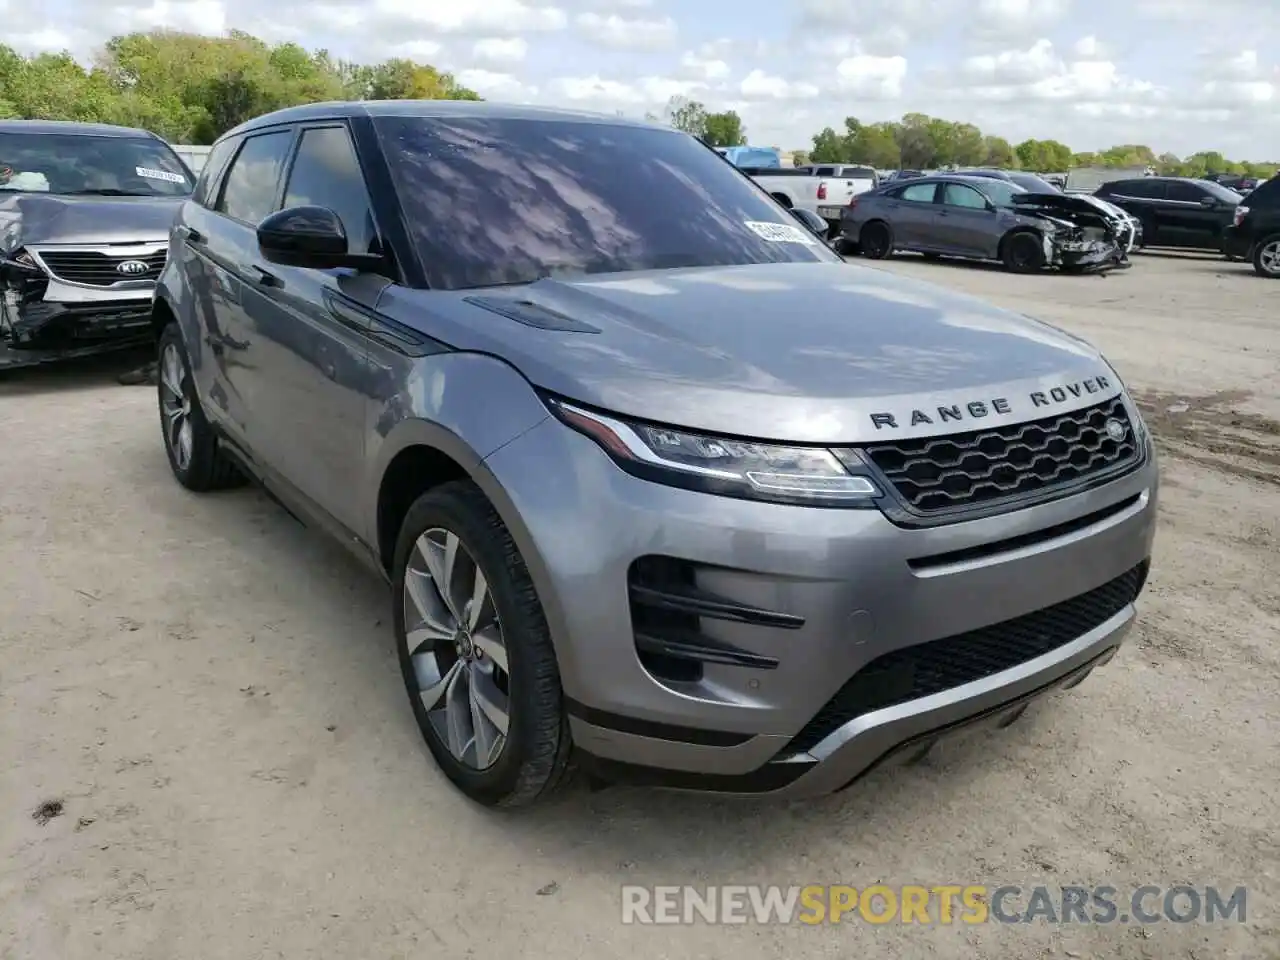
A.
x: 211, y: 694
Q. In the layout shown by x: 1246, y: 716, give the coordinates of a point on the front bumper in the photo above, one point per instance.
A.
x: 35, y: 329
x: 811, y: 598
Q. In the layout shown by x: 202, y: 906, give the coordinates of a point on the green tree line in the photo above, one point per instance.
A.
x: 190, y: 88
x: 921, y: 142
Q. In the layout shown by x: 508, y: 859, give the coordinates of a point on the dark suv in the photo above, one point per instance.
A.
x: 1255, y: 234
x: 1175, y: 212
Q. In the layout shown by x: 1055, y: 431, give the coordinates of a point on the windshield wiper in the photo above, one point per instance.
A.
x: 108, y: 192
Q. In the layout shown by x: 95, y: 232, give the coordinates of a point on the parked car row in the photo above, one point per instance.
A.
x: 660, y: 487
x: 1028, y: 223
x: 987, y: 218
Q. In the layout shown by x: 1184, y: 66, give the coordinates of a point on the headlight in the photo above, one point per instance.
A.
x: 808, y: 476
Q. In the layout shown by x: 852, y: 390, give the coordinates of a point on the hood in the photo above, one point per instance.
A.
x: 799, y: 352
x: 27, y: 218
x: 1058, y: 204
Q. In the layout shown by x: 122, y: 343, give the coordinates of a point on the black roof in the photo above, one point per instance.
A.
x: 72, y: 128
x: 432, y: 109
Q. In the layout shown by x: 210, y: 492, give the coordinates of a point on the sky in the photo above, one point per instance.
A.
x: 1177, y: 75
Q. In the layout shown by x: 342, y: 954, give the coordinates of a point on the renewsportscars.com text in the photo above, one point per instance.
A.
x: 937, y: 904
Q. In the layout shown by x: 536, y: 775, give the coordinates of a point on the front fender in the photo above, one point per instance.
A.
x: 466, y: 405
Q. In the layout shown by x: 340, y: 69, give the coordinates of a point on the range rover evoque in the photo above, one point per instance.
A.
x: 85, y: 211
x: 662, y: 488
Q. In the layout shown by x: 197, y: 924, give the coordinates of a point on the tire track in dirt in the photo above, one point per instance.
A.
x: 1211, y: 430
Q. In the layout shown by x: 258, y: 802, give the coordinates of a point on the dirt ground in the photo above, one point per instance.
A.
x: 205, y: 699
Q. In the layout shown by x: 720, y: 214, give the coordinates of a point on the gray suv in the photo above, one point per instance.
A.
x: 662, y: 489
x: 85, y: 212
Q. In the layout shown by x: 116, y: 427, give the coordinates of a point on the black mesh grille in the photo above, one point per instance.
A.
x: 928, y: 668
x: 100, y: 269
x: 938, y: 474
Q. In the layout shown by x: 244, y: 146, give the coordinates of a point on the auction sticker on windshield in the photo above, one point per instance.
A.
x: 159, y: 175
x: 780, y: 232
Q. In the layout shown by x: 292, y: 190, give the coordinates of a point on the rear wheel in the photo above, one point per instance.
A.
x: 1023, y: 253
x: 1266, y: 257
x: 475, y: 651
x: 189, y: 440
x: 875, y: 240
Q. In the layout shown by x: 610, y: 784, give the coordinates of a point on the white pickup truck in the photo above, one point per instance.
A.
x: 822, y: 189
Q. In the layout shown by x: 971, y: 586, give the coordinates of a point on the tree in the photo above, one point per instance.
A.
x: 996, y: 152
x: 724, y: 129
x: 828, y: 147
x: 190, y: 88
x: 687, y: 115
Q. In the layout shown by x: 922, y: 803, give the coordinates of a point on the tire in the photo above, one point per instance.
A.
x: 510, y: 663
x: 1022, y: 252
x: 845, y: 247
x: 1266, y: 257
x: 189, y: 441
x: 876, y: 240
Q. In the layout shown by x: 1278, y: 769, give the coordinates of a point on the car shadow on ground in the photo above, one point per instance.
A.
x: 83, y: 373
x: 350, y: 647
x: 983, y: 266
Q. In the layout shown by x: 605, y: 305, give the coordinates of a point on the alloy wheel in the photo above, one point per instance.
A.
x: 1269, y: 257
x: 457, y: 649
x: 175, y: 404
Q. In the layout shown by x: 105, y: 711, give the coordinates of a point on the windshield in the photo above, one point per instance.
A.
x: 1033, y: 184
x: 68, y: 163
x: 500, y: 201
x: 1000, y: 192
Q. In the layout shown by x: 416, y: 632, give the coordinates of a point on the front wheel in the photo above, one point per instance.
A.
x: 1023, y: 253
x: 1266, y: 257
x: 476, y: 652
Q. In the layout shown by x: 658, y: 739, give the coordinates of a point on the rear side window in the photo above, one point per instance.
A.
x: 326, y: 173
x: 1267, y: 195
x: 919, y: 193
x: 1185, y: 192
x: 249, y: 192
x: 858, y: 173
x: 1141, y: 189
x: 213, y: 164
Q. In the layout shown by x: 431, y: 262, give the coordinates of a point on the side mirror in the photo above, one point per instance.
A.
x: 310, y: 237
x: 811, y: 221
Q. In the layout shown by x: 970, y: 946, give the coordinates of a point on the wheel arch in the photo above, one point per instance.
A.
x: 419, y: 445
x: 1019, y: 230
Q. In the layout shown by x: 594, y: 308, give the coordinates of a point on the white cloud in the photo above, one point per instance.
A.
x: 621, y: 33
x: 1039, y: 73
x: 487, y: 17
x: 500, y: 49
x: 705, y: 68
x: 871, y: 77
x: 497, y: 86
x: 758, y: 85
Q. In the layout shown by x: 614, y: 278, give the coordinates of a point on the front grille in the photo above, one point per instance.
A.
x: 940, y: 474
x: 928, y: 668
x: 99, y: 269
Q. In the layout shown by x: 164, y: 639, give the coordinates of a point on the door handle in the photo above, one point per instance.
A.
x: 265, y: 277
